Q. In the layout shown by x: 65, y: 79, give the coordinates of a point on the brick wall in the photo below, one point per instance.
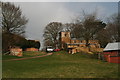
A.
x: 31, y: 49
x: 79, y: 44
x: 113, y: 59
x: 111, y: 53
x: 16, y: 51
x: 94, y: 49
x: 112, y: 56
x: 79, y: 49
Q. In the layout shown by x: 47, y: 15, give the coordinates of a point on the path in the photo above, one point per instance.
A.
x: 29, y: 57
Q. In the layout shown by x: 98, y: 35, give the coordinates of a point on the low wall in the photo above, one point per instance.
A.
x: 96, y: 49
x: 31, y: 49
x: 86, y: 49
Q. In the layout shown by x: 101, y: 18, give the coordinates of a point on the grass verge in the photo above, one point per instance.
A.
x: 60, y: 65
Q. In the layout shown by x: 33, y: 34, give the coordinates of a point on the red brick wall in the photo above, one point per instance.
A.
x: 31, y: 49
x: 16, y: 51
x: 111, y: 53
x: 112, y: 56
x: 113, y: 59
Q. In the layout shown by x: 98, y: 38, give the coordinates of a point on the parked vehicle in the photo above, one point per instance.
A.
x: 49, y: 49
x: 56, y: 49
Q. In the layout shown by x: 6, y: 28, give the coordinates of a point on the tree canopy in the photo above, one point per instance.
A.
x: 12, y: 19
x: 86, y: 28
x: 13, y: 26
x: 51, y: 34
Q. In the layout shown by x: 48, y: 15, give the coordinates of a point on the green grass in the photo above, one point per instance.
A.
x: 32, y: 53
x: 25, y: 54
x: 60, y: 65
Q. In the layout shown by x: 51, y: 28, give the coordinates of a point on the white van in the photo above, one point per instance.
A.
x: 49, y: 49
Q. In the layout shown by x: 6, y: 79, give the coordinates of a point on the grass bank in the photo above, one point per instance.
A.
x: 60, y: 65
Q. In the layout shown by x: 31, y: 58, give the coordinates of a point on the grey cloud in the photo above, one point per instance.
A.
x: 42, y: 13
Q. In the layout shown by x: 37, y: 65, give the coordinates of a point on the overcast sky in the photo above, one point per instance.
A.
x: 42, y: 13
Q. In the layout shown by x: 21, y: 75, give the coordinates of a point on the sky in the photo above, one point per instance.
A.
x: 60, y: 0
x: 42, y: 13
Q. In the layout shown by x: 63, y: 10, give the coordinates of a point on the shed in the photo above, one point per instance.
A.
x: 112, y: 52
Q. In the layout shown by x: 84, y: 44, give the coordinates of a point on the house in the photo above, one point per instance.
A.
x: 31, y: 49
x: 16, y: 51
x: 73, y: 45
x: 111, y: 52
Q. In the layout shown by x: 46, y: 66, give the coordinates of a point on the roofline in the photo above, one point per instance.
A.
x: 110, y: 50
x: 112, y: 47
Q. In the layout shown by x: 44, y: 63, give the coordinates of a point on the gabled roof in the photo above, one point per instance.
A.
x: 112, y: 46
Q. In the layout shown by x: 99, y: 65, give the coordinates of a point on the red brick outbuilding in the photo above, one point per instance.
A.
x: 111, y: 52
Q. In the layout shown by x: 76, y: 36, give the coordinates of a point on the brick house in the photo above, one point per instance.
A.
x: 73, y: 45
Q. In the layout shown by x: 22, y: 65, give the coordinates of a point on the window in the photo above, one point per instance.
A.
x: 74, y: 41
x: 65, y: 35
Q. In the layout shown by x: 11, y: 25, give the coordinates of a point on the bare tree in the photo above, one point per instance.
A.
x: 51, y: 34
x: 88, y: 27
x: 12, y: 19
x: 13, y: 24
x: 104, y: 37
x: 113, y: 28
x: 73, y: 28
